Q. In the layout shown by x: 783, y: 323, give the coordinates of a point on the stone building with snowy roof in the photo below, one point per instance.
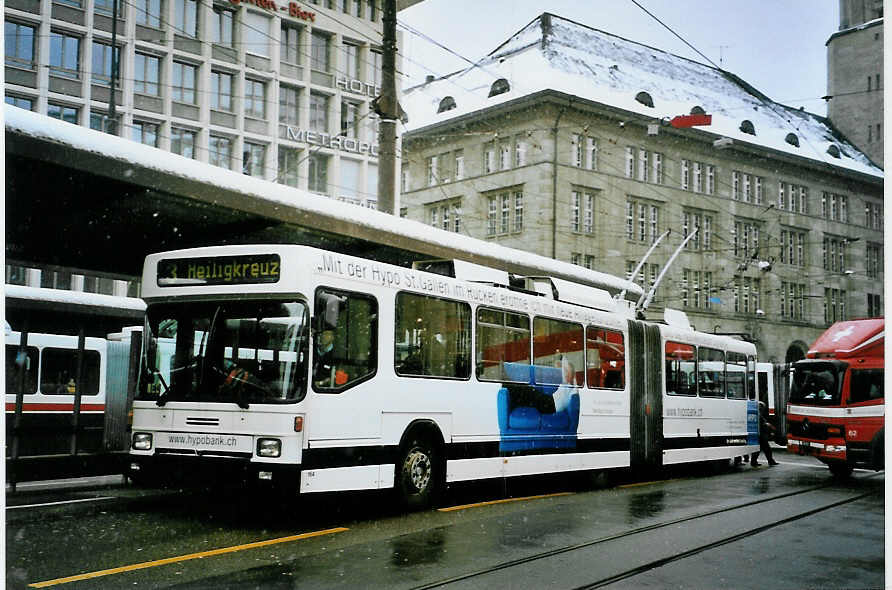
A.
x: 562, y: 142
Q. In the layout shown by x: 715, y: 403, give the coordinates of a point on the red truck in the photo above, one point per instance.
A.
x: 835, y: 411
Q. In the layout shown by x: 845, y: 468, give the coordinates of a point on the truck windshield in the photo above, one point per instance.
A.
x: 817, y: 383
x: 250, y: 351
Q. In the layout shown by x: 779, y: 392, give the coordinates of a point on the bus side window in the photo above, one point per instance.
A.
x: 59, y: 369
x: 18, y: 360
x: 344, y: 352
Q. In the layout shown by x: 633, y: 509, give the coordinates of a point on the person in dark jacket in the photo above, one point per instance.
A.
x: 765, y: 430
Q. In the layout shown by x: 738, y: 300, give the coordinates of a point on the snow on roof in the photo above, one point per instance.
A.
x: 552, y: 53
x: 74, y: 297
x: 375, y: 222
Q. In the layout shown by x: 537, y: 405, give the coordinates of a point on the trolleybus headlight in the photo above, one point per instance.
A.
x: 269, y: 447
x: 142, y: 441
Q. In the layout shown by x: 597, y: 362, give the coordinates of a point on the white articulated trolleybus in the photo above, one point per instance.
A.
x: 323, y: 371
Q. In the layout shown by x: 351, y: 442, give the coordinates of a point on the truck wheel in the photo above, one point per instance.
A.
x: 418, y: 476
x: 840, y: 469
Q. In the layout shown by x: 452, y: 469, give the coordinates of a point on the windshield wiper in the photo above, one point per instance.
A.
x: 162, y: 399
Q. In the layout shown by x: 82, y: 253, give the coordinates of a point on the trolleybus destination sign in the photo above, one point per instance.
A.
x: 219, y: 270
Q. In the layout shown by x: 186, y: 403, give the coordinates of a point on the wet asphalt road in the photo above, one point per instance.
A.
x: 790, y: 526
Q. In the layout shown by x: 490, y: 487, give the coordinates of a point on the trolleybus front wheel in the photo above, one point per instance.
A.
x: 418, y: 479
x: 840, y: 468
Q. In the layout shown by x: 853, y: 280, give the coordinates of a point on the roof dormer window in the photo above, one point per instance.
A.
x: 747, y: 127
x: 645, y: 99
x: 500, y: 86
x: 792, y: 139
x: 447, y: 104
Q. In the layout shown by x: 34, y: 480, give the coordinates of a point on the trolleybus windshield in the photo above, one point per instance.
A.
x: 817, y: 383
x: 249, y: 351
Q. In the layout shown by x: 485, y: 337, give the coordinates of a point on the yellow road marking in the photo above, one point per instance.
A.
x: 157, y: 562
x: 491, y: 502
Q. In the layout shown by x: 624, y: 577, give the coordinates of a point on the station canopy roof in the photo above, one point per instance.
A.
x: 82, y: 199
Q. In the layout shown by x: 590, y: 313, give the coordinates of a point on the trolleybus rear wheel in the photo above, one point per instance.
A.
x: 418, y: 478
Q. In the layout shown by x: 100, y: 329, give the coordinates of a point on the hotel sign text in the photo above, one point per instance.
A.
x: 335, y: 142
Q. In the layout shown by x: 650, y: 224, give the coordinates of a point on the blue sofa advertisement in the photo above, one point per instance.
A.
x: 538, y: 408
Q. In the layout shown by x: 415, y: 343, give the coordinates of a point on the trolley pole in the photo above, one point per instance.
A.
x: 387, y: 108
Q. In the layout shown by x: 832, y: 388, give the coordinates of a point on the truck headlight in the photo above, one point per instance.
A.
x: 142, y: 441
x: 269, y: 447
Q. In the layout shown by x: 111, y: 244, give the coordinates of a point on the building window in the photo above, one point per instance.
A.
x: 147, y: 12
x: 835, y: 207
x: 183, y: 82
x: 658, y: 168
x: 585, y: 152
x: 489, y: 157
x: 642, y: 221
x: 685, y: 175
x: 348, y: 187
x: 289, y: 113
x: 518, y: 211
x: 146, y: 74
x: 223, y: 26
x: 446, y: 215
x: 710, y: 179
x: 491, y: 216
x: 254, y: 159
x: 703, y: 224
x: 351, y: 62
x: 735, y: 185
x: 643, y: 158
x: 318, y: 112
x: 506, y: 212
x: 144, y: 132
x: 432, y: 163
x: 459, y: 164
x: 62, y: 112
x: 102, y: 64
x: 834, y: 305
x: 319, y: 54
x: 221, y: 91
x: 646, y: 276
x: 582, y: 206
x: 746, y: 295
x: 350, y: 119
x: 19, y: 45
x: 318, y: 173
x: 695, y: 289
x: 874, y: 305
x: 520, y: 151
x: 182, y: 141
x: 834, y: 254
x: 255, y: 98
x: 630, y: 162
x: 874, y: 260
x: 186, y: 17
x: 220, y: 151
x: 505, y: 154
x: 20, y: 102
x: 792, y: 300
x: 100, y: 121
x: 576, y: 258
x: 256, y: 34
x: 289, y: 159
x: 792, y: 247
x: 698, y: 177
x: 873, y: 216
x: 375, y: 61
x: 746, y: 239
x: 289, y: 44
x: 65, y: 57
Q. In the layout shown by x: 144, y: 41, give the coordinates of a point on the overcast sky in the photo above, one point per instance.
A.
x: 778, y: 46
